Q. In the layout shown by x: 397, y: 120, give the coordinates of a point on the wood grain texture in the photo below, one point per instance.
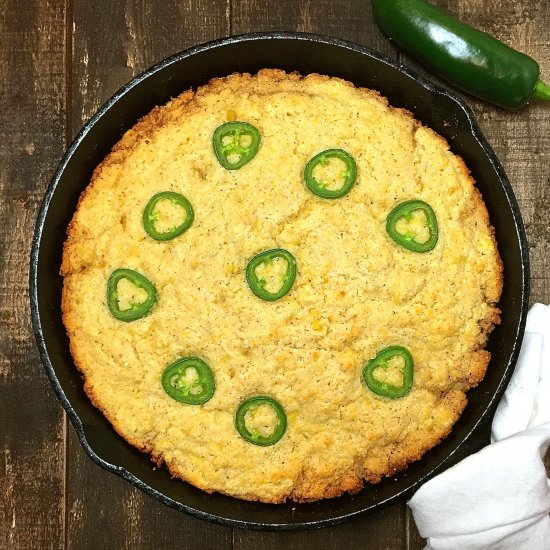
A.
x: 382, y: 530
x: 111, y: 45
x: 59, y: 61
x: 522, y: 139
x: 351, y: 21
x: 32, y: 126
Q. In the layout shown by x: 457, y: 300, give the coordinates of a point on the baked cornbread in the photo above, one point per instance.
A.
x: 356, y: 291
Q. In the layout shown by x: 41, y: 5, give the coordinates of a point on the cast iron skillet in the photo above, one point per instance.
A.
x: 305, y: 53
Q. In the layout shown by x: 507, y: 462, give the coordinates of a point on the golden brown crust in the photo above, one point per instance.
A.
x: 313, y: 481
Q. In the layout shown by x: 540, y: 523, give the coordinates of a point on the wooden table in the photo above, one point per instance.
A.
x: 59, y: 61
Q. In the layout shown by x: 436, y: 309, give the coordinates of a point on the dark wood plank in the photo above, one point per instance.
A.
x: 521, y: 139
x: 414, y: 540
x: 133, y: 36
x: 112, y: 42
x: 382, y: 530
x: 32, y: 125
x: 350, y: 20
x: 347, y: 19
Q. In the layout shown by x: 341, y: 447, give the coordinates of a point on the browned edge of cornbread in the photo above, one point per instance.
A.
x: 310, y: 489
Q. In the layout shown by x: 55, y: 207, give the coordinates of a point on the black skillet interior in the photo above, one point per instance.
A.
x: 292, y: 52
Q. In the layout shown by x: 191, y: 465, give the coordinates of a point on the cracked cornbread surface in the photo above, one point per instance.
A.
x: 356, y: 291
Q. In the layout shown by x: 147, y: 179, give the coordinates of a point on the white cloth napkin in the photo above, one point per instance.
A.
x: 499, y: 498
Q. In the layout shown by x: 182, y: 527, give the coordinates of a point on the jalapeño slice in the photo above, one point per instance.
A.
x: 235, y: 144
x: 382, y: 359
x: 348, y: 175
x: 262, y: 434
x: 408, y: 239
x: 151, y: 217
x: 189, y: 380
x: 258, y: 284
x: 137, y: 310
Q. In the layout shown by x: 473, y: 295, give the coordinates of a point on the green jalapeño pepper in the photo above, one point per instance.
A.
x: 408, y: 240
x: 236, y: 144
x: 137, y: 310
x: 258, y: 283
x: 189, y: 380
x: 381, y: 361
x: 151, y: 217
x: 348, y: 175
x: 468, y: 58
x: 260, y: 431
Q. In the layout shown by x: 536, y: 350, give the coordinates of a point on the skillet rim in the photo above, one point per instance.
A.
x: 432, y: 87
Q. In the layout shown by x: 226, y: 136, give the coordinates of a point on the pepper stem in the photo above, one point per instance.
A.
x: 542, y: 91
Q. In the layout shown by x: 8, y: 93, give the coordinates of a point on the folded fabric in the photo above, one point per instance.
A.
x: 499, y: 498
